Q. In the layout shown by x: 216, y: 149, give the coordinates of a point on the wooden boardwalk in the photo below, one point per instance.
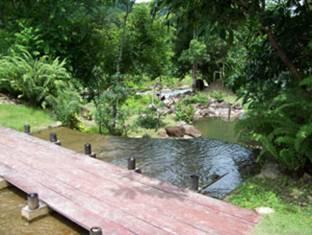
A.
x: 91, y: 193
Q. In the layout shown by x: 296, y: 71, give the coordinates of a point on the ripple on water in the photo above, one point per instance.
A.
x: 169, y: 160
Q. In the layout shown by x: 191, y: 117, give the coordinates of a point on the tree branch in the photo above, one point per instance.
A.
x: 293, y: 70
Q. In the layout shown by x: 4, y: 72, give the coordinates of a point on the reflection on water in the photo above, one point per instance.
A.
x: 216, y: 128
x: 11, y: 223
x: 169, y: 160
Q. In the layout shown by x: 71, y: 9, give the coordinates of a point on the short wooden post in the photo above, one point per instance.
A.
x: 131, y: 163
x: 229, y: 112
x: 33, y: 201
x: 27, y: 128
x: 95, y: 231
x: 88, y: 149
x: 53, y: 137
x: 194, y: 182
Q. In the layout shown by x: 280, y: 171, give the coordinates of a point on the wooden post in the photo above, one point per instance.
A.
x: 131, y: 163
x: 95, y: 231
x: 194, y: 182
x: 229, y: 112
x: 88, y: 149
x: 27, y: 128
x: 33, y: 201
x: 53, y: 137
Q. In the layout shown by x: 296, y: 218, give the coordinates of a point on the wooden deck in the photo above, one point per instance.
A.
x: 91, y: 193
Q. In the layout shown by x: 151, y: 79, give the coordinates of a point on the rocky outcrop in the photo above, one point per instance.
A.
x: 177, y: 131
x: 183, y: 130
x: 218, y: 110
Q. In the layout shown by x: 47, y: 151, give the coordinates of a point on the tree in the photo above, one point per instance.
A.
x: 196, y: 54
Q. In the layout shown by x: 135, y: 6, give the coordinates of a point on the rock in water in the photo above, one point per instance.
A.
x: 177, y: 131
x: 191, y: 131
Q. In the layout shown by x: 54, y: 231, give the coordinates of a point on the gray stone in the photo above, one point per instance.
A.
x: 177, y: 131
x: 269, y: 170
x: 31, y: 215
x: 264, y: 210
x: 191, y: 131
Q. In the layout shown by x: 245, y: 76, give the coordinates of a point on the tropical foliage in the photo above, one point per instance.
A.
x: 260, y: 49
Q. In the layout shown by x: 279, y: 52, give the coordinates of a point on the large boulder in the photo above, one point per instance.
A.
x: 177, y: 131
x: 191, y: 131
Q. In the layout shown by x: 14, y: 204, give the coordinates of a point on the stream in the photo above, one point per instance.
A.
x: 170, y: 160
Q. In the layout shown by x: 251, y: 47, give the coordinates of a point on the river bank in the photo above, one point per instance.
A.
x: 289, y: 198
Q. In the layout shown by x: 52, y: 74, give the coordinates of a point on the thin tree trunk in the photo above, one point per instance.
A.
x: 122, y: 39
x: 194, y: 76
x: 293, y: 70
x: 114, y: 114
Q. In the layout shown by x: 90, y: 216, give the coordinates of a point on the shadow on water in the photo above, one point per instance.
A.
x: 168, y: 160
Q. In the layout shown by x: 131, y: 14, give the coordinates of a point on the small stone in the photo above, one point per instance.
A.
x: 187, y: 137
x: 264, y: 210
x: 270, y: 171
x: 306, y: 177
x: 30, y: 215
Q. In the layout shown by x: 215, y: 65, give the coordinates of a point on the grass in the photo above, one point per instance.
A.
x: 291, y: 200
x: 15, y: 116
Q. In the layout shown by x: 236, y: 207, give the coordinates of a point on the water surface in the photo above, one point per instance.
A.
x: 216, y: 128
x: 169, y: 160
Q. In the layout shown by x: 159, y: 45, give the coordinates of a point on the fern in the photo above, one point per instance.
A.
x: 32, y: 79
x: 283, y: 126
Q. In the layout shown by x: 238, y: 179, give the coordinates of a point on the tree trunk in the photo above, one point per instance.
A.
x: 114, y: 115
x: 293, y: 70
x: 194, y: 76
x: 122, y: 39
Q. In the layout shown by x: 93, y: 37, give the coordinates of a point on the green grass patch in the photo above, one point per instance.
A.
x: 291, y: 200
x: 15, y: 116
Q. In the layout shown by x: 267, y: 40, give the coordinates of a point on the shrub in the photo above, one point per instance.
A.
x: 41, y: 82
x: 110, y: 113
x: 149, y: 119
x: 196, y: 99
x: 218, y: 95
x: 66, y: 106
x: 31, y: 79
x: 184, y: 112
x: 283, y: 126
